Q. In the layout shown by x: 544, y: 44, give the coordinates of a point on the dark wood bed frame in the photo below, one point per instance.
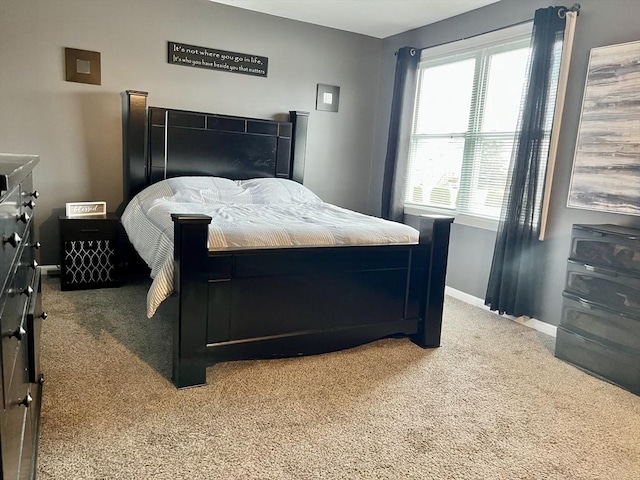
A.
x: 262, y: 303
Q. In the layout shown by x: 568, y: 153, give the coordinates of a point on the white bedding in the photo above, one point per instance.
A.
x: 257, y: 213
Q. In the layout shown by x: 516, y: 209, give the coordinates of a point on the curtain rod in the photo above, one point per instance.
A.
x: 573, y: 8
x: 476, y: 35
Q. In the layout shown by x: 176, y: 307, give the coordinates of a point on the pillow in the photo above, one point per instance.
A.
x: 189, y: 190
x: 216, y: 190
x: 278, y: 190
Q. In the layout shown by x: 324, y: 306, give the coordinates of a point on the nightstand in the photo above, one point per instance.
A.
x: 89, y: 251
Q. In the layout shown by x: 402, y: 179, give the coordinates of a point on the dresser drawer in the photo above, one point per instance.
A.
x: 9, y: 212
x: 14, y: 362
x: 28, y: 196
x: 13, y: 423
x: 605, y: 287
x: 607, y: 245
x: 31, y: 430
x: 13, y: 317
x: 600, y: 323
x: 616, y: 365
x: 19, y: 430
x: 34, y: 318
x: 17, y: 291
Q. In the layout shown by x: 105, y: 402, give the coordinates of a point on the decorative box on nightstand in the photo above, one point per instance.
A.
x: 89, y: 251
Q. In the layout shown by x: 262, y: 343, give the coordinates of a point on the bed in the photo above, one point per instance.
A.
x: 244, y: 300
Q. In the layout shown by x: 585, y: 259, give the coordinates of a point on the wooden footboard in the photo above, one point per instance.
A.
x: 297, y: 301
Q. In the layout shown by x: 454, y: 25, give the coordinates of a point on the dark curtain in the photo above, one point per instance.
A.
x: 514, y: 269
x: 396, y: 163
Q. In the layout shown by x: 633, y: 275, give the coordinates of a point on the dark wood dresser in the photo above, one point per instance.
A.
x: 20, y: 319
x: 600, y: 326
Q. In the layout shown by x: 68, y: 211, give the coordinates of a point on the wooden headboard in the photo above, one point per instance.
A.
x: 162, y: 143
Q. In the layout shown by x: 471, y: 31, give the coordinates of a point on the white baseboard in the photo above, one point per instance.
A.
x: 538, y: 325
x: 49, y: 269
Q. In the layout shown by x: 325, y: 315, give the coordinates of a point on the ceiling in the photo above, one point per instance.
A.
x: 376, y: 18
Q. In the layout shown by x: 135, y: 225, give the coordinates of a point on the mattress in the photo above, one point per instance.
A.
x: 256, y: 213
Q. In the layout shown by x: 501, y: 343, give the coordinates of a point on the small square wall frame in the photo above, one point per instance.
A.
x: 327, y: 98
x: 82, y: 66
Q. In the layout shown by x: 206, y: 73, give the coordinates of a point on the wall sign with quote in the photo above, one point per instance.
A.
x: 214, y: 59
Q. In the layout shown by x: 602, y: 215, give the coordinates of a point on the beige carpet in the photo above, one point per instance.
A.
x: 491, y: 403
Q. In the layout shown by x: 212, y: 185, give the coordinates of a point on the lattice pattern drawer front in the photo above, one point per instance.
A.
x: 89, y: 263
x: 89, y: 252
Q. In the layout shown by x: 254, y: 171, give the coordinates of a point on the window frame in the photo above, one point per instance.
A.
x: 469, y: 47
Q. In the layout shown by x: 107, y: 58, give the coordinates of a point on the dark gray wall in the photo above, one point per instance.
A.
x: 599, y: 23
x: 76, y: 128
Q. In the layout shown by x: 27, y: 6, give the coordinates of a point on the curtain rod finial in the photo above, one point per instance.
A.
x: 573, y: 8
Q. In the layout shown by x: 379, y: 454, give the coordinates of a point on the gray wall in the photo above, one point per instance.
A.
x: 599, y: 23
x: 76, y: 128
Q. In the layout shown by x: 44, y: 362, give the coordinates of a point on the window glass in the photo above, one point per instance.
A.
x: 446, y: 89
x: 466, y: 116
x: 504, y: 95
x: 435, y: 178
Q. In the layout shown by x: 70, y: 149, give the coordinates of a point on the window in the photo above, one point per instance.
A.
x: 465, y: 120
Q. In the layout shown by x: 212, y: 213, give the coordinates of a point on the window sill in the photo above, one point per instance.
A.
x: 467, y: 220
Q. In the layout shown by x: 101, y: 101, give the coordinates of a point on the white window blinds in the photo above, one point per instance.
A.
x: 466, y: 115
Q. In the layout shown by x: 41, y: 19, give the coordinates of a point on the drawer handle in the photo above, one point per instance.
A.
x: 43, y: 315
x: 28, y: 291
x: 606, y: 271
x: 31, y: 204
x: 36, y: 245
x: 33, y: 264
x: 41, y: 379
x: 585, y: 304
x: 35, y: 194
x: 26, y: 401
x: 13, y: 240
x: 19, y: 333
x: 24, y: 218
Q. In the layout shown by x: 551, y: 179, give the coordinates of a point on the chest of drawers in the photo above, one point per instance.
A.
x: 20, y: 319
x: 600, y: 326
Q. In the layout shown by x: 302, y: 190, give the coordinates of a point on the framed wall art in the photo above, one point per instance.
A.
x: 606, y: 165
x: 82, y: 66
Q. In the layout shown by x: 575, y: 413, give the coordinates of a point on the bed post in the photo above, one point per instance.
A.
x: 434, y: 229
x: 190, y: 285
x: 134, y: 136
x: 300, y: 121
